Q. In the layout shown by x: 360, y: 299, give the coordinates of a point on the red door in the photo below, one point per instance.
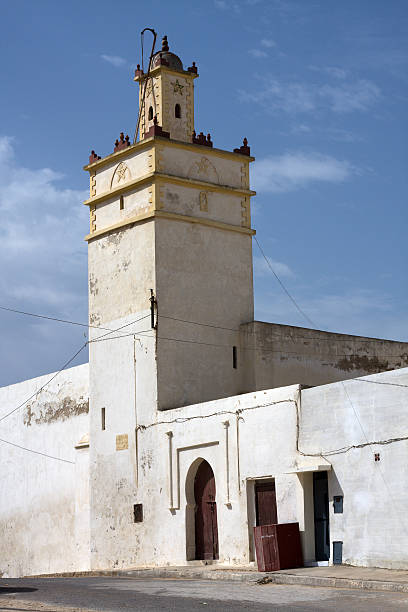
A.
x: 206, y: 532
x: 265, y: 503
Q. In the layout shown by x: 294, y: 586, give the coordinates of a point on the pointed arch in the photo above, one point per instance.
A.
x: 201, y: 512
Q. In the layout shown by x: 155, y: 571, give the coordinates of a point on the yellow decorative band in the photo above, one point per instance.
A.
x: 161, y: 214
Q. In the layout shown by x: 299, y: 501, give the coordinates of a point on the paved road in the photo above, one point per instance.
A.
x: 117, y: 594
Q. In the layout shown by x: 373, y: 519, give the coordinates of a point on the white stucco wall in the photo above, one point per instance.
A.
x: 267, y: 421
x: 44, y: 502
x: 373, y: 526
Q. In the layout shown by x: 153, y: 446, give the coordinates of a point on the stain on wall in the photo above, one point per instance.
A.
x: 58, y: 410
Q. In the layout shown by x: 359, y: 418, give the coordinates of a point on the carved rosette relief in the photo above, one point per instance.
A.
x: 203, y: 170
x: 121, y: 175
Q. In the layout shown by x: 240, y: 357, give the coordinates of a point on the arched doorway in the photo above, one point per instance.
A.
x: 206, y: 530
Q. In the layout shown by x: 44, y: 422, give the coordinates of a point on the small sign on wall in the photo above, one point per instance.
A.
x: 122, y: 442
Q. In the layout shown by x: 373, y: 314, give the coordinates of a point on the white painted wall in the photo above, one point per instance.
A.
x: 46, y: 511
x: 374, y: 525
x: 44, y: 504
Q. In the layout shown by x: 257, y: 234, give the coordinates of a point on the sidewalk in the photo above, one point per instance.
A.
x: 339, y: 576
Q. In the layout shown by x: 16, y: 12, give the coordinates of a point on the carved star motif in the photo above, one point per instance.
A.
x: 178, y: 87
x: 121, y: 172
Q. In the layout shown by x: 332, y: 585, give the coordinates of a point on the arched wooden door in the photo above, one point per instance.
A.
x: 206, y: 531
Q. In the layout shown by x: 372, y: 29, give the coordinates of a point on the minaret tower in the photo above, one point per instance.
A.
x: 169, y: 95
x: 170, y: 239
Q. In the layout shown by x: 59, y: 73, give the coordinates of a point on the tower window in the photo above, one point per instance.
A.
x: 103, y: 422
x: 177, y: 111
x: 121, y: 203
x: 150, y: 113
x: 234, y: 357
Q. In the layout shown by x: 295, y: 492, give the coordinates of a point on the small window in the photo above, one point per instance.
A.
x: 150, y: 113
x: 121, y: 202
x: 103, y: 419
x: 234, y: 357
x: 177, y: 111
x: 138, y: 513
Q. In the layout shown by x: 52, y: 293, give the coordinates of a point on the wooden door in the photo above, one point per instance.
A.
x: 265, y: 503
x: 206, y: 531
x: 321, y: 516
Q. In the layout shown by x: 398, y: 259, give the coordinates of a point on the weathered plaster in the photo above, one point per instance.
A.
x: 44, y: 501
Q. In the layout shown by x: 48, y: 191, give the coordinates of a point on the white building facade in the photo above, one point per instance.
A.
x: 190, y: 425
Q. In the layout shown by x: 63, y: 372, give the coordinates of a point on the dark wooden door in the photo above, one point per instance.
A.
x: 265, y: 502
x: 206, y: 531
x: 321, y: 516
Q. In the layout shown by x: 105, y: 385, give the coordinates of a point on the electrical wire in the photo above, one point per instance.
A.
x: 119, y: 328
x: 65, y: 366
x: 362, y: 339
x: 283, y: 286
x: 31, y: 314
x: 251, y: 348
x: 135, y: 334
x: 30, y: 450
x: 377, y: 382
x: 232, y: 329
x: 44, y: 385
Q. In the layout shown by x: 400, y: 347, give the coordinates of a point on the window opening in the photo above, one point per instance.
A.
x: 103, y: 419
x: 137, y: 513
x: 121, y: 203
x: 234, y: 357
x: 150, y: 113
x: 177, y: 111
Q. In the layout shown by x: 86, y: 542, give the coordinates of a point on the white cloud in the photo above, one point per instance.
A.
x: 291, y: 97
x: 350, y: 97
x: 300, y: 129
x: 292, y: 171
x: 301, y: 97
x: 268, y: 43
x: 257, y: 53
x: 43, y: 263
x: 221, y: 4
x: 334, y: 71
x: 114, y: 60
x: 261, y: 268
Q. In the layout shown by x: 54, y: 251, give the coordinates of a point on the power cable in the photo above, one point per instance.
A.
x: 45, y: 384
x: 283, y: 286
x: 278, y: 337
x: 232, y: 329
x: 66, y: 365
x: 377, y: 382
x: 30, y: 450
x: 246, y: 348
x: 38, y: 316
x: 371, y: 444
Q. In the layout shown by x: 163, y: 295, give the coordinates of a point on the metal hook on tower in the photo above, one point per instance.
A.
x: 147, y: 76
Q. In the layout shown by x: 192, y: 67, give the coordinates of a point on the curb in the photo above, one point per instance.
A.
x: 253, y: 577
x: 343, y: 583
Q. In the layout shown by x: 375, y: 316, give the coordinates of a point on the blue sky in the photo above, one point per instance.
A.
x: 319, y: 88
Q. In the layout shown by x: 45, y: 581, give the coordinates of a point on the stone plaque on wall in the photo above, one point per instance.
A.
x: 122, y: 442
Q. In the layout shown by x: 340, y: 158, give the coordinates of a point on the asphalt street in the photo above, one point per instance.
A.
x: 116, y: 594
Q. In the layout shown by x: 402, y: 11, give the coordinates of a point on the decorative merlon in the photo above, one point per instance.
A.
x: 93, y: 157
x: 193, y: 68
x: 156, y: 130
x: 244, y: 149
x: 122, y: 143
x: 201, y: 139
